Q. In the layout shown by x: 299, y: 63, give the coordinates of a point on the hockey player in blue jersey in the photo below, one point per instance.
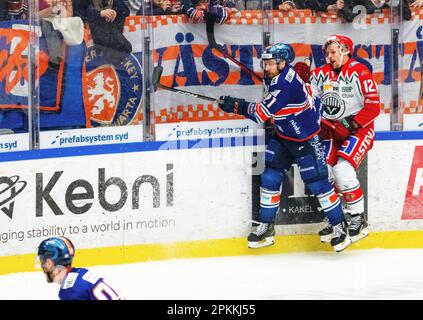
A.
x: 55, y: 256
x: 297, y: 118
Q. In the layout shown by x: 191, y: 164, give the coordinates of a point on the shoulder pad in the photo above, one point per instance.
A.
x: 353, y: 63
x: 365, y: 73
x: 90, y: 277
x: 290, y: 75
x: 70, y: 280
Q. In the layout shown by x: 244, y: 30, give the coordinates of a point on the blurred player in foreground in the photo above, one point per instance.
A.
x: 55, y: 257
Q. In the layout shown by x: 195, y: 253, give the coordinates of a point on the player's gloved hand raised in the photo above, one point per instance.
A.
x: 196, y: 15
x: 303, y: 70
x: 232, y: 105
x: 221, y: 13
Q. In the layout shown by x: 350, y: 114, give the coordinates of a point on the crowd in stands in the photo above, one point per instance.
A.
x: 113, y: 11
x: 106, y: 18
x: 195, y: 9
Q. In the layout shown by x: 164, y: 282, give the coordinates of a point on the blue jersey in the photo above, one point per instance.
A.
x: 83, y: 284
x: 295, y: 112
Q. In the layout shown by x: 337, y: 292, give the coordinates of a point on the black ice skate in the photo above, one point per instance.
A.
x: 340, y: 238
x: 262, y: 237
x: 326, y: 233
x: 358, y: 227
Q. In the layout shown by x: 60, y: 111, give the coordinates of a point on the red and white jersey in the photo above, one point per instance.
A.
x: 352, y: 92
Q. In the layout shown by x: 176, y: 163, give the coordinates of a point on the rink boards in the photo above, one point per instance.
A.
x: 185, y: 199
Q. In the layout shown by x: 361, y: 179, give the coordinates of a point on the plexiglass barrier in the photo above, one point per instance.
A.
x: 78, y: 73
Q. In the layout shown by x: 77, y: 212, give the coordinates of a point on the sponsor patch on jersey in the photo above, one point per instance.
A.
x: 274, y: 80
x: 327, y: 87
x: 290, y: 75
x: 347, y: 89
x: 353, y: 63
x: 70, y: 280
x: 90, y: 277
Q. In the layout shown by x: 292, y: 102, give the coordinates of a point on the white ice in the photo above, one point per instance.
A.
x: 367, y: 274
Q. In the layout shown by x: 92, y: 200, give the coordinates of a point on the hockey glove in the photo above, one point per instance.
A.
x: 196, y: 15
x: 232, y: 105
x: 303, y: 70
x: 221, y: 13
x: 340, y: 133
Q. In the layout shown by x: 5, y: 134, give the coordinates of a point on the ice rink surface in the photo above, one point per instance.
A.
x: 354, y: 274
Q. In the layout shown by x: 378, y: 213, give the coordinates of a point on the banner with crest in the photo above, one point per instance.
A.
x: 87, y: 91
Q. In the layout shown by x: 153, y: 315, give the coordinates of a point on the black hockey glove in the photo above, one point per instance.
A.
x: 232, y: 105
x: 221, y: 13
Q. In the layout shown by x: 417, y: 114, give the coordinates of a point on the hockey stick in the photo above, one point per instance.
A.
x: 210, y: 22
x: 157, y: 73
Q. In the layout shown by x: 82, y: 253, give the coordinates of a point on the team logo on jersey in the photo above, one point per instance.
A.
x: 112, y: 93
x: 333, y: 105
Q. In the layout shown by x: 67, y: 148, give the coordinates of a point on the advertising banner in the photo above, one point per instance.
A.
x: 108, y: 200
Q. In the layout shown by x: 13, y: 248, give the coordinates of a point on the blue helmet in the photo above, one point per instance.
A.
x: 279, y: 52
x: 59, y: 249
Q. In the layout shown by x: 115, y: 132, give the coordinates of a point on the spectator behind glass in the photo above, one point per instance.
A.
x: 346, y: 8
x: 3, y: 10
x: 160, y: 7
x: 106, y: 19
x: 51, y: 8
x: 417, y: 4
x: 175, y: 6
x: 250, y: 5
x: 405, y: 9
x: 220, y: 9
x: 17, y: 9
x: 48, y: 9
x: 323, y: 5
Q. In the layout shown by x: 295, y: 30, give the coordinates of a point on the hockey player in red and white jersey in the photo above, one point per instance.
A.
x: 351, y: 102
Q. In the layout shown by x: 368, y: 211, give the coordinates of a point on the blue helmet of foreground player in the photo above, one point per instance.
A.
x: 59, y: 249
x: 279, y: 52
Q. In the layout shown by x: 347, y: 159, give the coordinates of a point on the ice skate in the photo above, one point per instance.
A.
x: 358, y: 227
x: 326, y: 233
x: 262, y: 237
x: 340, y: 238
